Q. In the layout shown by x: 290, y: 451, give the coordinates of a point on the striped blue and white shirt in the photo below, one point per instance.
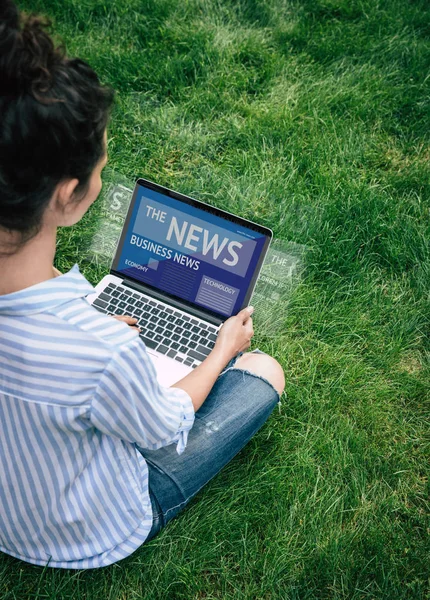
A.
x: 78, y: 393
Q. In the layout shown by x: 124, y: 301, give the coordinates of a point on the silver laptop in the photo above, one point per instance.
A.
x: 182, y: 267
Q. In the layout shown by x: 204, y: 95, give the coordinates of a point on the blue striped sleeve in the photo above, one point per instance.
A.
x: 131, y: 405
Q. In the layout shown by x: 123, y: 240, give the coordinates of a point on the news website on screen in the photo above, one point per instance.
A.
x: 190, y: 253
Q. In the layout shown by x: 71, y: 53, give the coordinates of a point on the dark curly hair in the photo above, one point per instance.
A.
x: 53, y: 114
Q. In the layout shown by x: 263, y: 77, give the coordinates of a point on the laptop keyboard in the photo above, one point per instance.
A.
x: 164, y: 329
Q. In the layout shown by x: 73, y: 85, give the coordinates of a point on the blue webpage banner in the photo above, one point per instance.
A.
x: 190, y: 253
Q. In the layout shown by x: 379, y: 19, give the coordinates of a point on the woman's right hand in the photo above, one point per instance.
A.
x: 235, y: 334
x: 234, y: 337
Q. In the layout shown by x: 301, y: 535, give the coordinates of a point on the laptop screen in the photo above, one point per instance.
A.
x: 190, y: 250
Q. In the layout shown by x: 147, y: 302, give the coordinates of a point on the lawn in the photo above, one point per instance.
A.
x: 311, y: 117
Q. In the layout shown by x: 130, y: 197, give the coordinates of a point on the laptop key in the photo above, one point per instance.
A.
x: 195, y: 337
x: 188, y: 361
x: 183, y: 349
x: 183, y: 340
x: 122, y: 304
x: 138, y: 312
x: 174, y: 345
x: 196, y: 355
x: 192, y: 345
x: 159, y: 329
x: 162, y: 349
x: 204, y: 333
x: 148, y: 342
x: 100, y: 303
x: 176, y: 337
x: 202, y: 350
x: 171, y: 354
x: 158, y: 338
x: 115, y: 293
x: 212, y: 337
x: 167, y: 334
x: 104, y: 297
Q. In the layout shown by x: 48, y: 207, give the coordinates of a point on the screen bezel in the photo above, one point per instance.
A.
x: 206, y: 208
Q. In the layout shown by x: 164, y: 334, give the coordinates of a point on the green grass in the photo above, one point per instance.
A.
x: 310, y: 116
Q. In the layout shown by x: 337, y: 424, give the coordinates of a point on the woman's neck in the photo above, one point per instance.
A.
x: 30, y: 265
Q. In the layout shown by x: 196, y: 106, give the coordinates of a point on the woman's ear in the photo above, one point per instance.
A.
x: 62, y: 208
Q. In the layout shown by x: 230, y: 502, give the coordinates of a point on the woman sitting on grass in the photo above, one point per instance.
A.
x: 95, y: 456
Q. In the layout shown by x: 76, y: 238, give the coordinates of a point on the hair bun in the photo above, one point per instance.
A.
x: 27, y: 52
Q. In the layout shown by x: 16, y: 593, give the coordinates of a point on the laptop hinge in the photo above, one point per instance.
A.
x: 171, y: 301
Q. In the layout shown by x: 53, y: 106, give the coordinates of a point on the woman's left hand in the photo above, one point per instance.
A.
x: 129, y: 320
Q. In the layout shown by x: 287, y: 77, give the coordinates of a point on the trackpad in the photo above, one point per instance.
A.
x: 168, y: 371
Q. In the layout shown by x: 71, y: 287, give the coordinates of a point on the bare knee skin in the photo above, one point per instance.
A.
x: 265, y: 366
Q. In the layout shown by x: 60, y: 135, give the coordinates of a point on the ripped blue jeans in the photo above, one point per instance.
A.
x: 236, y: 408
